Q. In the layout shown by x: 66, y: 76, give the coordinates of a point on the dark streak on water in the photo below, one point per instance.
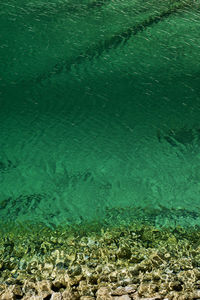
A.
x: 109, y: 44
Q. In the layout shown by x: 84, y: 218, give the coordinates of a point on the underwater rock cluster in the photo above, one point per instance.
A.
x: 138, y: 262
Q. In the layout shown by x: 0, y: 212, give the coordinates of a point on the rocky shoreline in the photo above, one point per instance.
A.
x: 138, y: 262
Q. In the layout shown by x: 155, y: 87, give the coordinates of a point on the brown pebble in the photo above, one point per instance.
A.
x: 7, y: 296
x: 119, y: 291
x: 197, y: 294
x: 103, y: 293
x: 56, y: 296
x: 124, y: 297
x: 123, y: 291
x: 67, y: 295
x: 130, y: 289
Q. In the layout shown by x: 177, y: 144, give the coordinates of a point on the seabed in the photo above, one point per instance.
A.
x: 99, y: 261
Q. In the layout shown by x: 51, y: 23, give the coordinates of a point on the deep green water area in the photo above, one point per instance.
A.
x: 100, y: 112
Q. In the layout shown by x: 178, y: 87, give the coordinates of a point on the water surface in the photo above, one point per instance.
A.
x: 99, y: 111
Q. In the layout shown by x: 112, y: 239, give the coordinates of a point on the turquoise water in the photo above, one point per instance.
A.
x: 99, y: 110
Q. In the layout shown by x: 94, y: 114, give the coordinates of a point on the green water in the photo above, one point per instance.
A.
x: 99, y: 111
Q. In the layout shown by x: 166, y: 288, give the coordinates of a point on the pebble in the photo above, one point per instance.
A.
x: 103, y: 293
x: 7, y: 296
x: 124, y: 297
x: 123, y: 291
x: 56, y: 296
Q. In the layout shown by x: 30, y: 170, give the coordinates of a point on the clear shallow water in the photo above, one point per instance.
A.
x: 99, y: 110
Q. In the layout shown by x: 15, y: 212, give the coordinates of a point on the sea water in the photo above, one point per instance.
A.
x: 99, y: 112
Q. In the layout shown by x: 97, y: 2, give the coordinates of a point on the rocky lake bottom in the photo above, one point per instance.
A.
x: 95, y: 261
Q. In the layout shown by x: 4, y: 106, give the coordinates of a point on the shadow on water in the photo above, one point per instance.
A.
x: 116, y: 40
